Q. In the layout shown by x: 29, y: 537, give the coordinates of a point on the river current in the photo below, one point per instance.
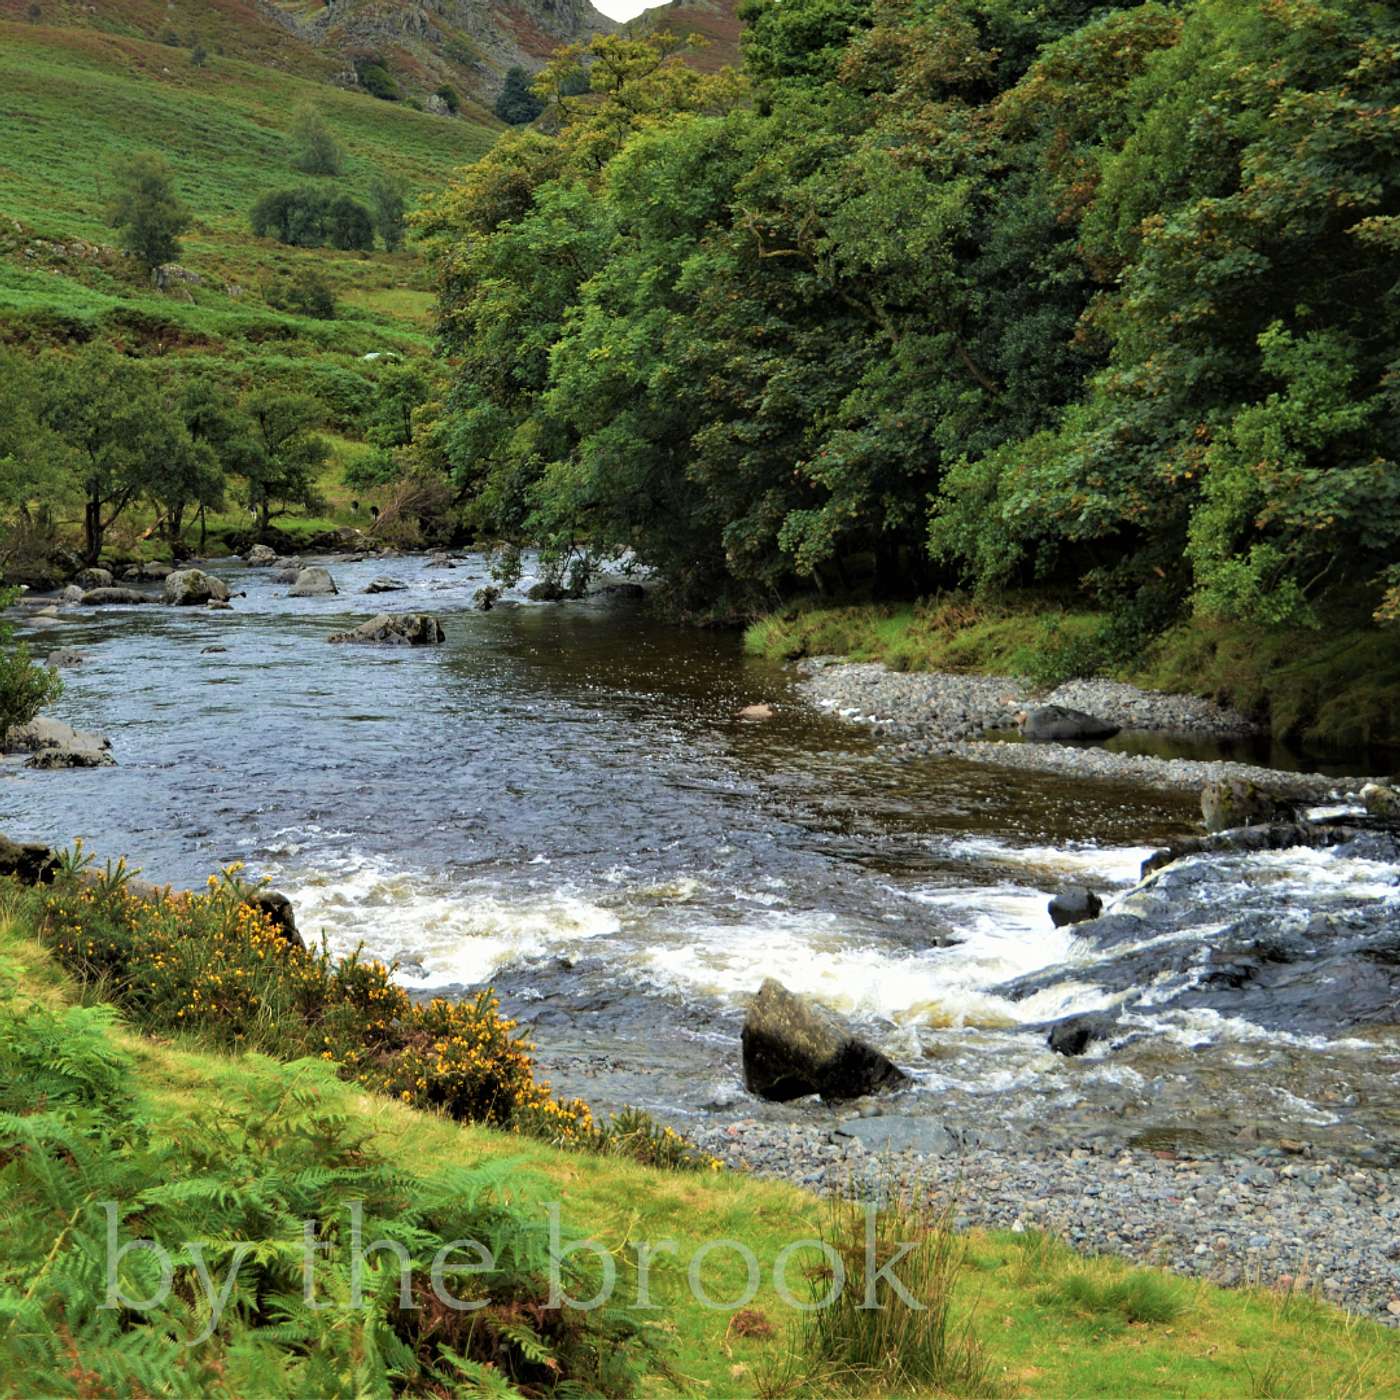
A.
x: 561, y: 800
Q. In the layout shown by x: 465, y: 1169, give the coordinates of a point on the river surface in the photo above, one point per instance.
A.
x: 561, y: 801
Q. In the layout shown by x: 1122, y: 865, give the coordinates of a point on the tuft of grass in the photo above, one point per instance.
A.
x: 1139, y: 1296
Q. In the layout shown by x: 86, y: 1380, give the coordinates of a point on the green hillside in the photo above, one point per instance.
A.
x: 77, y: 101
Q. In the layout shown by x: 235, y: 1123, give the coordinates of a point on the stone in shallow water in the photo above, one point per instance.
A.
x: 1050, y: 723
x: 403, y: 630
x: 1073, y: 905
x: 890, y: 1133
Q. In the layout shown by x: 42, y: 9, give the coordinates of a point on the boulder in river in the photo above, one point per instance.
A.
x: 261, y: 557
x: 1235, y: 802
x: 1056, y: 723
x: 188, y: 588
x: 313, y: 583
x: 54, y: 744
x: 106, y: 597
x: 759, y: 711
x: 64, y: 656
x: 1381, y: 800
x: 29, y: 862
x: 71, y: 594
x: 71, y: 758
x: 1075, y: 1034
x: 93, y: 578
x: 547, y: 592
x: 384, y: 584
x: 484, y: 599
x: 395, y: 630
x: 791, y: 1049
x: 1074, y: 904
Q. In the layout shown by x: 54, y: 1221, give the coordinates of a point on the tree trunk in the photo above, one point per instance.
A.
x: 92, y: 530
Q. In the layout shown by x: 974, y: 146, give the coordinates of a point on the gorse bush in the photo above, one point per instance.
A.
x: 25, y: 688
x: 226, y: 1191
x: 214, y: 966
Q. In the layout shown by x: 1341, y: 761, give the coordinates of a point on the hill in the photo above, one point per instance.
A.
x: 715, y: 21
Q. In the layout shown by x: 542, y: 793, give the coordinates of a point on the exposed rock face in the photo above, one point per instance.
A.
x: 1073, y: 905
x: 1057, y: 723
x: 313, y: 583
x: 106, y: 597
x: 1236, y: 802
x: 792, y: 1049
x: 188, y: 588
x: 401, y: 630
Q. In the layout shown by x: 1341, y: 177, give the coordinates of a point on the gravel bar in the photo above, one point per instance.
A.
x: 935, y: 714
x: 1291, y: 1222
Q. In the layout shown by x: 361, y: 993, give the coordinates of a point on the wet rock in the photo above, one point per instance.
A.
x: 107, y: 597
x: 484, y: 599
x: 632, y: 592
x: 187, y: 588
x: 385, y: 585
x: 45, y: 734
x: 1273, y: 836
x: 277, y: 908
x: 1075, y: 1034
x: 1381, y: 800
x: 1236, y: 802
x: 1057, y: 723
x: 395, y: 630
x: 760, y: 711
x: 1073, y: 905
x: 791, y: 1049
x: 440, y: 561
x: 210, y: 651
x: 71, y: 758
x: 64, y: 656
x: 547, y: 592
x: 313, y: 583
x: 219, y: 605
x: 71, y: 594
x: 261, y: 557
x: 29, y: 862
x: 93, y: 578
x: 926, y: 1136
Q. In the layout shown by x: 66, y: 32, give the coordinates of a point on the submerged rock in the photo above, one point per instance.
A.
x: 313, y: 583
x: 1235, y: 802
x: 187, y: 588
x: 1056, y: 723
x: 401, y: 630
x: 791, y: 1049
x: 1073, y: 905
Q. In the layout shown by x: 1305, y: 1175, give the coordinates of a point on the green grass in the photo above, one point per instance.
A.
x: 1336, y: 685
x: 1045, y: 1321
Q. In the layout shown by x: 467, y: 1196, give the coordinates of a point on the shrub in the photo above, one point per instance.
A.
x: 25, y: 688
x: 374, y: 76
x: 451, y: 101
x: 349, y: 226
x: 304, y: 293
x: 296, y: 217
x: 516, y: 104
x: 387, y: 194
x: 146, y: 211
x: 316, y: 151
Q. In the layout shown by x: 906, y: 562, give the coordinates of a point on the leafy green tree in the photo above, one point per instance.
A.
x: 284, y: 455
x: 146, y: 211
x: 305, y: 292
x: 349, y: 226
x: 388, y: 195
x: 315, y: 151
x: 299, y: 217
x: 516, y: 104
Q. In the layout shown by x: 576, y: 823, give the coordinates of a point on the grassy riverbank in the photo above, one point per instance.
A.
x: 1335, y: 685
x: 248, y: 1138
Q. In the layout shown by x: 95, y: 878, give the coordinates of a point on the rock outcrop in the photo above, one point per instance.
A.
x: 791, y: 1049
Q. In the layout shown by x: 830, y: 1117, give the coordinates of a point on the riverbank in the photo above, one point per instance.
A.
x: 941, y: 715
x: 1045, y: 1320
x: 1336, y: 686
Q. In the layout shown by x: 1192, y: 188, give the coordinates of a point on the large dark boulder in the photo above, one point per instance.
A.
x: 791, y: 1049
x: 29, y: 862
x: 278, y: 911
x: 1074, y: 905
x: 1056, y: 723
x: 395, y: 630
x: 1075, y: 1034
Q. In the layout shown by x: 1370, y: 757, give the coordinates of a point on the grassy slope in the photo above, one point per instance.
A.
x: 1339, y: 684
x: 1043, y: 1332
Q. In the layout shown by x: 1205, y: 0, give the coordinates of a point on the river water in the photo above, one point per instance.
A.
x: 561, y: 801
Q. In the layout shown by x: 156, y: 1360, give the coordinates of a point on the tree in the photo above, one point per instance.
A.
x: 449, y: 97
x: 296, y: 217
x: 284, y: 455
x: 387, y: 195
x: 315, y: 150
x: 516, y: 105
x: 349, y: 226
x: 146, y: 212
x: 199, y: 55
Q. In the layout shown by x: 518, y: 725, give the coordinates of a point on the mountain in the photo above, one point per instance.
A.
x: 716, y: 21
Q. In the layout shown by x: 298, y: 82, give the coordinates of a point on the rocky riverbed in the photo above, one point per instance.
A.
x: 1278, y: 1218
x: 931, y: 714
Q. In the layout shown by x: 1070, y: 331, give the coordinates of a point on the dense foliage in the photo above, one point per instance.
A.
x: 146, y: 211
x: 950, y: 291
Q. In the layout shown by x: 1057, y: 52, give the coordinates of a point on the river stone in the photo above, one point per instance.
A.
x: 71, y: 758
x: 1381, y: 800
x: 313, y: 583
x: 1073, y: 905
x: 894, y: 1133
x: 1233, y: 802
x: 29, y: 862
x: 759, y: 711
x: 385, y: 585
x: 395, y: 630
x: 44, y: 733
x: 261, y: 557
x: 791, y: 1049
x: 189, y: 587
x: 93, y: 578
x: 1075, y: 1034
x: 105, y: 597
x: 64, y: 656
x: 71, y: 594
x: 277, y: 908
x: 1050, y: 723
x: 546, y: 592
x: 484, y: 599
